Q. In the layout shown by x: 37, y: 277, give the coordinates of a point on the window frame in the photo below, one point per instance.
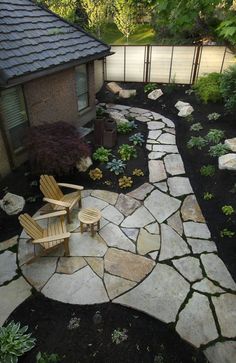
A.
x: 87, y: 93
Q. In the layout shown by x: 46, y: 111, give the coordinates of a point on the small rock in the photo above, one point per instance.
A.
x: 155, y: 94
x: 227, y: 162
x: 84, y: 164
x: 127, y: 93
x: 184, y: 108
x: 231, y: 143
x: 113, y: 87
x: 12, y: 204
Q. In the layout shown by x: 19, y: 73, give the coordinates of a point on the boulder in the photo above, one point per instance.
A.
x: 155, y: 94
x: 84, y: 164
x: 113, y: 87
x: 118, y: 117
x: 184, y: 108
x: 227, y: 161
x: 12, y: 203
x: 231, y: 143
x: 127, y: 93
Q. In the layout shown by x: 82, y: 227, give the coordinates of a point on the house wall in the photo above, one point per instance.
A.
x: 4, y: 163
x: 99, y: 75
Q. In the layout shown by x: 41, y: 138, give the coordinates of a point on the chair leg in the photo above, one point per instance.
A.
x: 68, y: 215
x: 66, y: 246
x: 80, y: 203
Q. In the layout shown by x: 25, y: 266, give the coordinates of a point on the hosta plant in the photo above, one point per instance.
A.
x: 196, y: 127
x: 215, y: 136
x: 227, y: 233
x: 218, y: 150
x: 213, y: 116
x: 116, y: 166
x: 150, y: 87
x: 95, y: 174
x: 14, y: 342
x: 208, y: 196
x: 125, y: 182
x: 208, y: 170
x: 47, y: 358
x: 102, y: 154
x: 138, y: 172
x: 127, y: 152
x: 137, y: 139
x: 126, y: 127
x: 197, y: 142
x: 228, y: 210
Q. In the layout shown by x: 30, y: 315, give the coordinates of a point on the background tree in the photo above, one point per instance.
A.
x: 96, y: 11
x: 64, y: 8
x: 125, y: 16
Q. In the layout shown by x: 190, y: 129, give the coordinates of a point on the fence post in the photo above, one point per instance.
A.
x: 196, y: 64
x: 147, y: 62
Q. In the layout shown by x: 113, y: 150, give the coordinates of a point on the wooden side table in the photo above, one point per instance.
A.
x: 90, y: 217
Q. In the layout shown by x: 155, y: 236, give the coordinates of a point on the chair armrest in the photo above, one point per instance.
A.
x: 72, y: 186
x: 52, y: 238
x: 50, y: 215
x: 57, y: 202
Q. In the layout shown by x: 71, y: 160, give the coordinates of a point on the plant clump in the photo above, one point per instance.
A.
x: 126, y: 127
x: 218, y: 150
x: 47, y: 358
x: 228, y: 210
x: 95, y: 174
x: 197, y: 142
x: 116, y: 166
x: 228, y: 87
x: 127, y: 152
x: 137, y: 139
x: 125, y: 182
x: 138, y: 172
x: 208, y: 196
x: 150, y: 87
x: 102, y: 154
x: 196, y: 127
x: 215, y: 136
x: 227, y: 233
x: 208, y: 170
x: 207, y: 87
x: 119, y: 335
x: 213, y: 116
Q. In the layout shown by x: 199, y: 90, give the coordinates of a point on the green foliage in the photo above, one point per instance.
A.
x: 233, y: 190
x: 96, y: 11
x: 125, y: 182
x: 102, y: 154
x: 197, y: 142
x: 189, y: 118
x: 14, y: 342
x: 215, y: 136
x: 116, y: 166
x: 100, y: 112
x: 196, y: 127
x: 208, y: 196
x: 228, y: 210
x: 218, y: 150
x: 126, y: 127
x: 150, y: 87
x: 119, y: 335
x: 125, y: 16
x: 137, y: 139
x: 228, y: 88
x: 227, y: 233
x: 208, y: 170
x: 64, y: 8
x: 47, y: 358
x: 127, y: 152
x: 171, y: 87
x: 213, y: 116
x: 207, y: 87
x: 227, y: 28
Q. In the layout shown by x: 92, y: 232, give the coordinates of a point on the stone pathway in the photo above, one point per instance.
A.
x: 153, y: 253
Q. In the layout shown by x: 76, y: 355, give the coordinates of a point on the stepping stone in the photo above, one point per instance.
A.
x: 11, y: 296
x: 149, y: 147
x: 91, y: 202
x: 142, y: 119
x: 160, y: 295
x: 154, y: 155
x: 25, y: 250
x: 168, y: 139
x: 127, y: 265
x: 189, y: 267
x: 170, y: 130
x: 68, y: 265
x: 207, y: 286
x: 112, y: 214
x: 176, y: 223
x: 131, y: 233
x: 147, y: 242
x: 40, y: 271
x: 165, y: 148
x: 196, y: 230
x: 221, y: 352
x: 201, y: 245
x: 120, y: 107
x: 179, y: 186
x: 156, y: 171
x: 153, y: 255
x: 190, y: 210
x: 196, y: 324
x: 225, y: 308
x: 168, y: 122
x: 96, y: 264
x: 141, y: 192
x: 127, y: 205
x: 140, y: 218
x: 85, y: 245
x: 161, y: 205
x: 155, y: 125
x: 154, y: 134
x: 162, y: 186
x: 227, y: 162
x: 8, y: 266
x: 82, y: 288
x: 117, y: 285
x: 156, y: 116
x: 174, y: 164
x: 153, y: 228
x: 114, y: 237
x: 172, y: 245
x: 216, y: 270
x: 148, y: 114
x: 109, y: 197
x: 138, y: 110
x: 151, y: 141
x: 8, y: 243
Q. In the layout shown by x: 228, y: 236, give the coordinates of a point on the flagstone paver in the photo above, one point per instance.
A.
x: 9, y: 243
x: 157, y: 171
x: 193, y: 289
x: 8, y: 266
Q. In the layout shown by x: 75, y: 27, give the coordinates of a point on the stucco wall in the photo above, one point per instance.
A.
x: 98, y: 71
x: 52, y: 98
x: 4, y: 164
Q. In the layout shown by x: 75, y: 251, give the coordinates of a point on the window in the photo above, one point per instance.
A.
x: 14, y: 116
x: 82, y: 87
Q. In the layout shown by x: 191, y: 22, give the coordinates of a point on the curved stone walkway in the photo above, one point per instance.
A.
x: 153, y: 253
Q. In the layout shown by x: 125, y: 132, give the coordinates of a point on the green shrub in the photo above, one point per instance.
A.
x: 14, y: 342
x: 102, y: 154
x: 215, y: 136
x: 196, y: 127
x: 126, y: 127
x: 127, y: 152
x: 208, y: 170
x: 228, y: 88
x: 207, y: 87
x: 116, y: 166
x: 218, y: 150
x: 213, y: 116
x: 197, y: 142
x: 137, y: 139
x: 150, y: 87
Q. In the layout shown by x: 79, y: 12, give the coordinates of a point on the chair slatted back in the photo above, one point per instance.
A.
x: 30, y: 226
x: 50, y: 188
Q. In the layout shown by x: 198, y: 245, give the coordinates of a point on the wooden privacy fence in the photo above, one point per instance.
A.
x: 165, y: 64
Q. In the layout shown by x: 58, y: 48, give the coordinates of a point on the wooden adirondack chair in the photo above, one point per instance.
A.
x: 50, y: 237
x: 53, y: 194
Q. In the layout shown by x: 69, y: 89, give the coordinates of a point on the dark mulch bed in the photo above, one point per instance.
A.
x: 222, y: 183
x: 149, y: 340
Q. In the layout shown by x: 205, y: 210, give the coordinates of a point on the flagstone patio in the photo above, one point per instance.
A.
x: 153, y: 253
